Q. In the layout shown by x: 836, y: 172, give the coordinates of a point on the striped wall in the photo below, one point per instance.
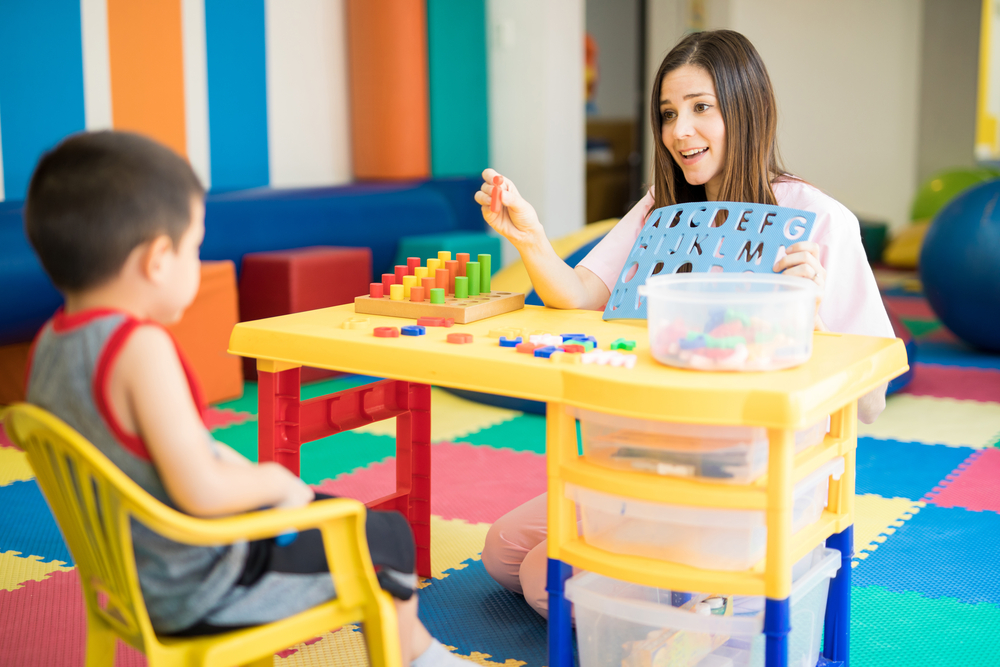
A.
x: 254, y: 92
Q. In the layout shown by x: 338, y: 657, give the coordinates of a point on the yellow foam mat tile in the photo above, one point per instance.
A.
x: 14, y: 466
x: 454, y: 541
x: 876, y: 518
x: 346, y: 648
x: 16, y: 569
x: 451, y: 418
x: 936, y: 421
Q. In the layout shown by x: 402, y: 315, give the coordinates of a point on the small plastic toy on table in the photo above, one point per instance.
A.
x: 458, y: 289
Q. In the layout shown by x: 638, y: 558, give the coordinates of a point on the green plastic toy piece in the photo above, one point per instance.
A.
x: 623, y: 344
x: 484, y: 273
x: 462, y: 287
x: 437, y: 295
x: 472, y: 272
x: 588, y: 345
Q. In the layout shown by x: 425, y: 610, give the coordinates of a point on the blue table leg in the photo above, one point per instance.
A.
x: 776, y: 628
x: 837, y: 631
x: 560, y: 623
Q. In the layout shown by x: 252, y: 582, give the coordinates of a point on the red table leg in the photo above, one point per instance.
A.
x: 278, y: 434
x: 417, y: 428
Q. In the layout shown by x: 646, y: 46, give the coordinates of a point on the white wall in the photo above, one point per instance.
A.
x: 536, y: 93
x: 307, y: 110
x: 846, y: 75
x: 614, y: 25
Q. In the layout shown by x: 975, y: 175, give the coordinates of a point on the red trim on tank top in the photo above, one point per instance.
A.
x: 102, y: 372
x: 62, y: 323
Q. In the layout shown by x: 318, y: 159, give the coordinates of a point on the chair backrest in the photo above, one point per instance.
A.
x: 90, y: 498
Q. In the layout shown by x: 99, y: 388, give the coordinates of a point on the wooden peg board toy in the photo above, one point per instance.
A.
x: 458, y: 289
x: 684, y: 235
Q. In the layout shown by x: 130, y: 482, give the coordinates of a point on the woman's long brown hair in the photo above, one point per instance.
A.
x: 749, y: 112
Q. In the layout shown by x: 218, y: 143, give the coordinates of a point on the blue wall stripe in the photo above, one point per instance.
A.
x: 41, y: 83
x: 456, y: 43
x: 237, y: 93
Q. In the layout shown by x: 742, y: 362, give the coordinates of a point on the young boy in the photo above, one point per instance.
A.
x: 117, y: 221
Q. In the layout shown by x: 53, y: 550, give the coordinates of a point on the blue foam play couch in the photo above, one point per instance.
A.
x: 372, y: 215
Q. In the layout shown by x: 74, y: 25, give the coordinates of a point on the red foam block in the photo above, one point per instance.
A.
x: 973, y: 384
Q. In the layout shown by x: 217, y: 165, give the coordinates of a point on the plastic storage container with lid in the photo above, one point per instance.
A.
x: 620, y: 623
x: 730, y: 321
x: 732, y: 454
x: 709, y: 538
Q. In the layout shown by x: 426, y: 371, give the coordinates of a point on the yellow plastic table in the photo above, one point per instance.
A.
x: 842, y: 368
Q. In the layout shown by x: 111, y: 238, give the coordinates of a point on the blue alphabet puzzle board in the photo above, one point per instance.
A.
x: 747, y: 239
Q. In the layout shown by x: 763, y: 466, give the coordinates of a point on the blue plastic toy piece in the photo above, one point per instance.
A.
x: 510, y: 342
x: 682, y: 237
x: 285, y: 539
x: 546, y: 351
x: 413, y: 330
x: 575, y: 336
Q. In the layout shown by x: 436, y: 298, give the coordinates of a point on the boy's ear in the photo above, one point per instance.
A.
x: 153, y: 262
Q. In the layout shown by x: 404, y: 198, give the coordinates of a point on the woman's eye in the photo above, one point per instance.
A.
x: 701, y: 106
x: 668, y: 115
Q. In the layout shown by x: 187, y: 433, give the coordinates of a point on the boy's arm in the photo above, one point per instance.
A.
x: 157, y: 399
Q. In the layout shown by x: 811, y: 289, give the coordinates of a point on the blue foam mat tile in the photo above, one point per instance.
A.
x: 941, y: 552
x: 27, y: 525
x: 471, y: 611
x: 896, y: 469
x: 955, y: 354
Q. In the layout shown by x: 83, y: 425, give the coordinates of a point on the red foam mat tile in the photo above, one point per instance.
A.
x: 469, y: 482
x: 216, y: 418
x: 43, y: 624
x: 4, y: 440
x: 914, y: 308
x: 960, y: 382
x: 973, y: 486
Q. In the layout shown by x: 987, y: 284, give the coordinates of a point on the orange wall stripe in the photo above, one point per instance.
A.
x: 147, y: 69
x: 387, y: 53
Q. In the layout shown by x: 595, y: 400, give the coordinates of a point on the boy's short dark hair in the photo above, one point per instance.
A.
x: 97, y: 196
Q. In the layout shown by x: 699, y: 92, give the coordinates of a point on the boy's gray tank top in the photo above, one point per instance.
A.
x: 71, y: 359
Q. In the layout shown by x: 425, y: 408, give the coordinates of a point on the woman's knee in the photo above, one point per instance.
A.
x: 533, y: 576
x: 502, y: 558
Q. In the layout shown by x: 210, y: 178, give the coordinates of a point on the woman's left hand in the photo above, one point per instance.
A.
x: 802, y: 259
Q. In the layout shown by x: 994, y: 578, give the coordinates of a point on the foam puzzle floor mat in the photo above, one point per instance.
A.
x: 926, y: 587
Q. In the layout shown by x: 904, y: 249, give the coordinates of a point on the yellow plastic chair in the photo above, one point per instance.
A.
x: 93, y: 500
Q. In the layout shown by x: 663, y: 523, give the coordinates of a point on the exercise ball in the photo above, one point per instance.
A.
x: 960, y: 266
x: 944, y: 186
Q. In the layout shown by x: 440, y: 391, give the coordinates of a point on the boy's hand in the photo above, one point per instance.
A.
x: 516, y: 220
x: 297, y: 492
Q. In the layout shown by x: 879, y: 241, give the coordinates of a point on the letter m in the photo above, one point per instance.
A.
x: 750, y: 254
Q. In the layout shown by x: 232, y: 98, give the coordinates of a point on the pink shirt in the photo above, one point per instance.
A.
x: 851, y: 302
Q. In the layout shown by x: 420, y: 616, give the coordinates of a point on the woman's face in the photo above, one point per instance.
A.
x: 692, y: 128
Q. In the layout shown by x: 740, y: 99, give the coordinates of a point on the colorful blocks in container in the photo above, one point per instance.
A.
x: 436, y: 321
x: 545, y: 351
x: 386, y: 332
x: 396, y: 292
x: 510, y: 342
x: 623, y: 344
x: 459, y: 338
x: 417, y: 293
x: 437, y: 295
x: 413, y: 330
x: 526, y: 348
x: 375, y: 290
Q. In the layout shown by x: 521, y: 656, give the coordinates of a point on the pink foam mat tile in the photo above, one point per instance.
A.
x: 470, y: 482
x: 959, y: 382
x: 220, y: 418
x: 43, y: 624
x: 913, y: 308
x: 973, y: 485
x: 4, y: 440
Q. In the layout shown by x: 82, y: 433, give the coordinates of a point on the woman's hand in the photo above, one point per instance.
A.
x: 802, y: 260
x: 516, y: 220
